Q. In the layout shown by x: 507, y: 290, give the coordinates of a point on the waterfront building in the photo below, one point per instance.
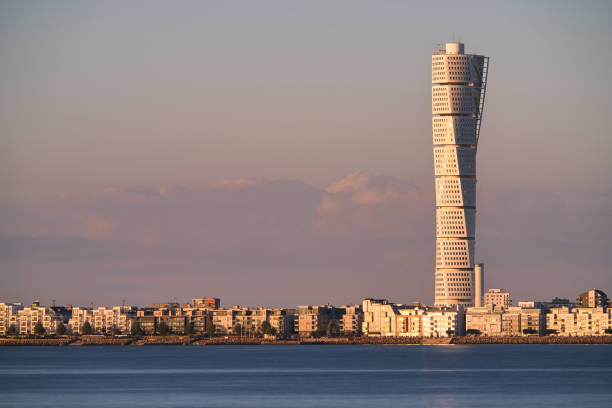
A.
x: 25, y: 319
x: 283, y: 321
x: 458, y: 91
x: 208, y: 303
x: 382, y: 318
x: 315, y: 320
x: 497, y: 297
x: 102, y: 319
x: 8, y: 316
x: 491, y: 320
x: 579, y: 321
x: 592, y: 298
x: 379, y: 317
x: 80, y: 315
x: 151, y: 318
x: 351, y: 320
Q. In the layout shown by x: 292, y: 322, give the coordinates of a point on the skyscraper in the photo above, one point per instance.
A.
x: 457, y: 100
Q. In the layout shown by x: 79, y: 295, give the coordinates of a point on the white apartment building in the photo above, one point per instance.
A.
x: 8, y: 313
x: 102, y: 319
x: 381, y: 318
x: 25, y: 319
x: 497, y: 297
x: 579, y: 321
x: 504, y: 321
x: 457, y: 100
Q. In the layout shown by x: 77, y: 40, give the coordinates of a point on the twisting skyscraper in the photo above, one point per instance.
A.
x: 457, y: 99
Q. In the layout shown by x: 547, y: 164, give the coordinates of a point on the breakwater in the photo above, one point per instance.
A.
x: 235, y: 340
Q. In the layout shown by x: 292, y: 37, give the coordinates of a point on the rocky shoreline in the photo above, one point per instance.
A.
x: 197, y: 341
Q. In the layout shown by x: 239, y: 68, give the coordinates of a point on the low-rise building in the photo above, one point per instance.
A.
x: 8, y: 317
x: 592, y: 298
x: 579, y: 321
x: 26, y: 319
x: 504, y: 321
x: 351, y: 320
x: 208, y: 303
x: 497, y: 297
x: 315, y: 320
x: 382, y: 318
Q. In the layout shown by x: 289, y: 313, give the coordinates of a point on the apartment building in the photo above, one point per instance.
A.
x: 351, y: 320
x: 579, y: 321
x: 25, y: 319
x: 315, y: 320
x: 207, y: 303
x: 382, y: 318
x: 592, y: 298
x: 493, y: 320
x: 497, y: 297
x: 8, y: 313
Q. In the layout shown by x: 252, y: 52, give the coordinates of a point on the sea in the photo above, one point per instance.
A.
x: 307, y: 376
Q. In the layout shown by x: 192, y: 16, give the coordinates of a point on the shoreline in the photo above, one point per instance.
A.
x: 175, y: 340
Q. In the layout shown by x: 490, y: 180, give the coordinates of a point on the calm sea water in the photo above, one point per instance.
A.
x: 307, y: 376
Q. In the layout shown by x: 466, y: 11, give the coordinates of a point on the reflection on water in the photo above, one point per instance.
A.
x: 306, y: 376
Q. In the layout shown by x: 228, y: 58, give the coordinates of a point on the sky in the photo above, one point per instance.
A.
x: 278, y: 153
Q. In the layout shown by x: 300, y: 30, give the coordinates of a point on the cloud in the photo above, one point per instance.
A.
x: 363, y: 235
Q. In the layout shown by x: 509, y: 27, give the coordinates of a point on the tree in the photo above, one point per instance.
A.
x: 12, y: 330
x: 318, y: 333
x: 210, y: 329
x: 60, y: 330
x: 115, y: 330
x: 550, y: 332
x: 473, y: 332
x: 450, y: 332
x: 237, y: 329
x: 608, y: 331
x: 136, y: 329
x: 529, y: 331
x: 163, y: 329
x: 188, y: 329
x: 333, y: 328
x: 266, y: 328
x: 39, y: 329
x: 86, y: 329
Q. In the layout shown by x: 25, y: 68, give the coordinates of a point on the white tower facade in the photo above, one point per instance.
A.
x: 457, y: 100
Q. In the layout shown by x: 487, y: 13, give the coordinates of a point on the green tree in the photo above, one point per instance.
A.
x: 86, y: 328
x: 473, y: 332
x: 333, y: 328
x: 39, y: 329
x: 60, y: 330
x: 266, y: 328
x: 12, y: 330
x: 450, y: 332
x: 115, y: 330
x: 319, y: 333
x: 237, y: 329
x: 608, y: 331
x: 188, y: 329
x: 163, y: 329
x: 210, y: 329
x: 549, y: 332
x: 529, y: 331
x: 136, y: 329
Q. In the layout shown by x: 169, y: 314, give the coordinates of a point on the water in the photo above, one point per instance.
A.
x: 307, y: 376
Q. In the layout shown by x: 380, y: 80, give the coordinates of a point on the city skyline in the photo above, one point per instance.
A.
x: 155, y: 152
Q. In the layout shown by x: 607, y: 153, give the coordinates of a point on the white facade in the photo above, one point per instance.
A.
x: 102, y: 319
x: 26, y: 319
x: 579, y: 321
x: 381, y: 318
x: 8, y: 316
x: 459, y: 82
